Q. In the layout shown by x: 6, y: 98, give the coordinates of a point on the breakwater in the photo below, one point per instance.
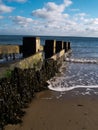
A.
x: 28, y: 76
x: 10, y: 51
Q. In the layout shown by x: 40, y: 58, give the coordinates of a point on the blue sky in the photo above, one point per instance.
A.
x: 49, y: 17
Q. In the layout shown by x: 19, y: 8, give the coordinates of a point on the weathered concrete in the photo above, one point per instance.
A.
x: 9, y: 49
x: 59, y: 46
x: 34, y: 61
x: 17, y: 90
x: 41, y: 48
x: 29, y: 62
x: 50, y: 48
x: 69, y: 47
x: 31, y: 45
x: 58, y: 55
x: 65, y: 46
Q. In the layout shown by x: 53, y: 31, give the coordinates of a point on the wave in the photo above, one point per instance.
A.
x: 75, y: 60
x: 74, y: 79
x: 62, y: 89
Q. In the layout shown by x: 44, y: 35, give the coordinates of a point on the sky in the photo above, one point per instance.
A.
x: 49, y: 17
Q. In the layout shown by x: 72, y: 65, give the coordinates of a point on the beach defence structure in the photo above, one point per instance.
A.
x: 9, y: 51
x: 53, y: 47
x: 66, y: 46
x: 50, y: 48
x: 59, y: 46
x: 31, y: 45
x: 33, y: 53
x: 28, y: 75
x: 69, y: 47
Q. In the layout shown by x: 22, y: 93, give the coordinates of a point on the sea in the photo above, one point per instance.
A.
x: 79, y: 72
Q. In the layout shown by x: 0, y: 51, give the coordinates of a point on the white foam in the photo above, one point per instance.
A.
x: 82, y: 60
x: 59, y: 96
x: 61, y: 89
x: 96, y: 93
x: 71, y: 80
x: 85, y: 93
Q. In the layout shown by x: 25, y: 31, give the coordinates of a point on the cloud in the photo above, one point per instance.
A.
x: 52, y: 11
x: 57, y: 22
x: 4, y: 8
x: 95, y: 21
x: 67, y: 3
x: 80, y: 16
x: 22, y: 21
x: 54, y: 19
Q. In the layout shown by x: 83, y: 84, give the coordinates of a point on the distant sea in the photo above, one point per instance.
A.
x: 81, y: 74
x: 83, y: 47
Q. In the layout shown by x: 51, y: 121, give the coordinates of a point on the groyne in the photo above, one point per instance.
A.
x: 9, y: 51
x: 27, y: 76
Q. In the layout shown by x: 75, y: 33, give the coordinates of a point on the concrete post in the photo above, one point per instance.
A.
x: 69, y: 46
x: 31, y: 45
x: 65, y: 46
x: 59, y: 46
x: 50, y: 48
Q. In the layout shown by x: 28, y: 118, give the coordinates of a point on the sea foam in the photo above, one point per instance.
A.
x: 61, y: 89
x: 76, y: 76
x: 75, y: 60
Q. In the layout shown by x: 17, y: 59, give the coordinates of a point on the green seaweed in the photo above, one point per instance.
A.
x: 7, y: 73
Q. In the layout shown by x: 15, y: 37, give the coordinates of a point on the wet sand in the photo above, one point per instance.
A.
x: 65, y: 113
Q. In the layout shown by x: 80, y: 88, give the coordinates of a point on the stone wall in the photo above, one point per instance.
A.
x: 24, y: 78
x: 10, y: 52
x: 29, y: 62
x: 9, y: 49
x: 26, y: 63
x: 18, y: 89
x: 58, y: 55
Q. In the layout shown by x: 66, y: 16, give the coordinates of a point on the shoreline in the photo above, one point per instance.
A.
x: 68, y: 112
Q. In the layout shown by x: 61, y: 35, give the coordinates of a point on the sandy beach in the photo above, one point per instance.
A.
x: 66, y: 113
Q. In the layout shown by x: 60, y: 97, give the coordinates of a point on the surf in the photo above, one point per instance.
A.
x: 76, y: 76
x: 63, y: 89
x: 82, y: 60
